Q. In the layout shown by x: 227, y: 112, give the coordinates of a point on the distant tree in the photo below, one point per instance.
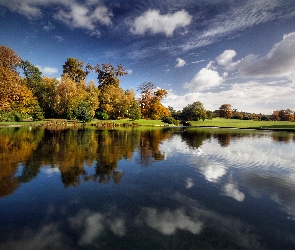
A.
x: 282, y: 115
x: 209, y: 114
x: 75, y: 69
x: 226, y: 111
x: 150, y: 101
x: 194, y: 112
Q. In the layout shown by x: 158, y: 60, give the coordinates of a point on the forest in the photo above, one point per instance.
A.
x: 27, y: 95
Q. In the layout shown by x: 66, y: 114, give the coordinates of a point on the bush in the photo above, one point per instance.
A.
x: 101, y: 115
x: 185, y: 123
x: 83, y: 112
x: 6, y: 116
x: 170, y: 120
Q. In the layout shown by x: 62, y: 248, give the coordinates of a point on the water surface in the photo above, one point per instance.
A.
x: 164, y: 188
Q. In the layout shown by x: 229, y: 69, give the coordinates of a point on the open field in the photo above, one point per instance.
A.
x: 216, y: 122
x: 234, y: 123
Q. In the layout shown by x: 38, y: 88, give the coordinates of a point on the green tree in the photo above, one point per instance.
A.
x: 108, y: 75
x: 194, y: 112
x: 84, y: 112
x: 75, y: 69
x: 33, y: 77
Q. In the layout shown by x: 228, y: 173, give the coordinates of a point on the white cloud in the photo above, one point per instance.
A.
x: 206, y: 78
x: 75, y: 15
x: 248, y: 96
x: 235, y: 18
x: 129, y: 71
x: 180, y: 63
x: 154, y: 22
x: 47, y: 70
x: 199, y: 61
x: 213, y: 171
x: 92, y: 224
x: 232, y: 190
x: 167, y: 222
x: 189, y: 183
x: 226, y: 60
x: 81, y: 16
x: 279, y: 62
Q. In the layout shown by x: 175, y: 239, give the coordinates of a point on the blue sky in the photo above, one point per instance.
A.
x: 238, y: 52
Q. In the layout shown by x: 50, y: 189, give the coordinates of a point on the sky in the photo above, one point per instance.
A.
x: 238, y: 52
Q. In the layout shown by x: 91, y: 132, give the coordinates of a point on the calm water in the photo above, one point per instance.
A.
x: 140, y: 189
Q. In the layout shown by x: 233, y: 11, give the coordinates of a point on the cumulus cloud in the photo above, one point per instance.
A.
x: 280, y: 61
x: 47, y: 70
x: 206, y: 78
x: 80, y: 16
x: 167, y: 222
x: 226, y: 60
x: 180, y: 63
x: 154, y: 22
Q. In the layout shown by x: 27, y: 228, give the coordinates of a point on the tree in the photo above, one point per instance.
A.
x: 68, y: 97
x: 74, y: 68
x: 194, y: 112
x: 9, y: 59
x: 108, y: 75
x: 150, y: 101
x: 226, y: 111
x: 282, y: 115
x: 47, y: 96
x: 92, y: 97
x: 112, y: 101
x: 133, y: 110
x: 33, y: 77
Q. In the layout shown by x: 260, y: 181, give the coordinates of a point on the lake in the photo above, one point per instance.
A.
x: 146, y: 188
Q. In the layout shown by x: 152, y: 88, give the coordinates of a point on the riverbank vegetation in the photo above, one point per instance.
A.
x: 35, y: 99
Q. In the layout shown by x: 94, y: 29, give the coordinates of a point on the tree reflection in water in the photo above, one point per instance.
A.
x: 23, y: 151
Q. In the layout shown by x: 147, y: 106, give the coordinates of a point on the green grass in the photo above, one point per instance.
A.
x: 234, y: 123
x: 216, y: 122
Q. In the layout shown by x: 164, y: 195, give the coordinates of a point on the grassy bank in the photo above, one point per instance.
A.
x: 216, y: 122
x: 233, y: 123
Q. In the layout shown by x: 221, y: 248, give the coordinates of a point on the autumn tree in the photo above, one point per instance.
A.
x: 9, y: 59
x: 68, y: 98
x: 194, y: 112
x: 282, y: 115
x: 47, y: 96
x: 226, y: 111
x: 14, y: 94
x: 150, y: 101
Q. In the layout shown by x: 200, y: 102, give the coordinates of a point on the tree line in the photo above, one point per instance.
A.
x: 33, y: 96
